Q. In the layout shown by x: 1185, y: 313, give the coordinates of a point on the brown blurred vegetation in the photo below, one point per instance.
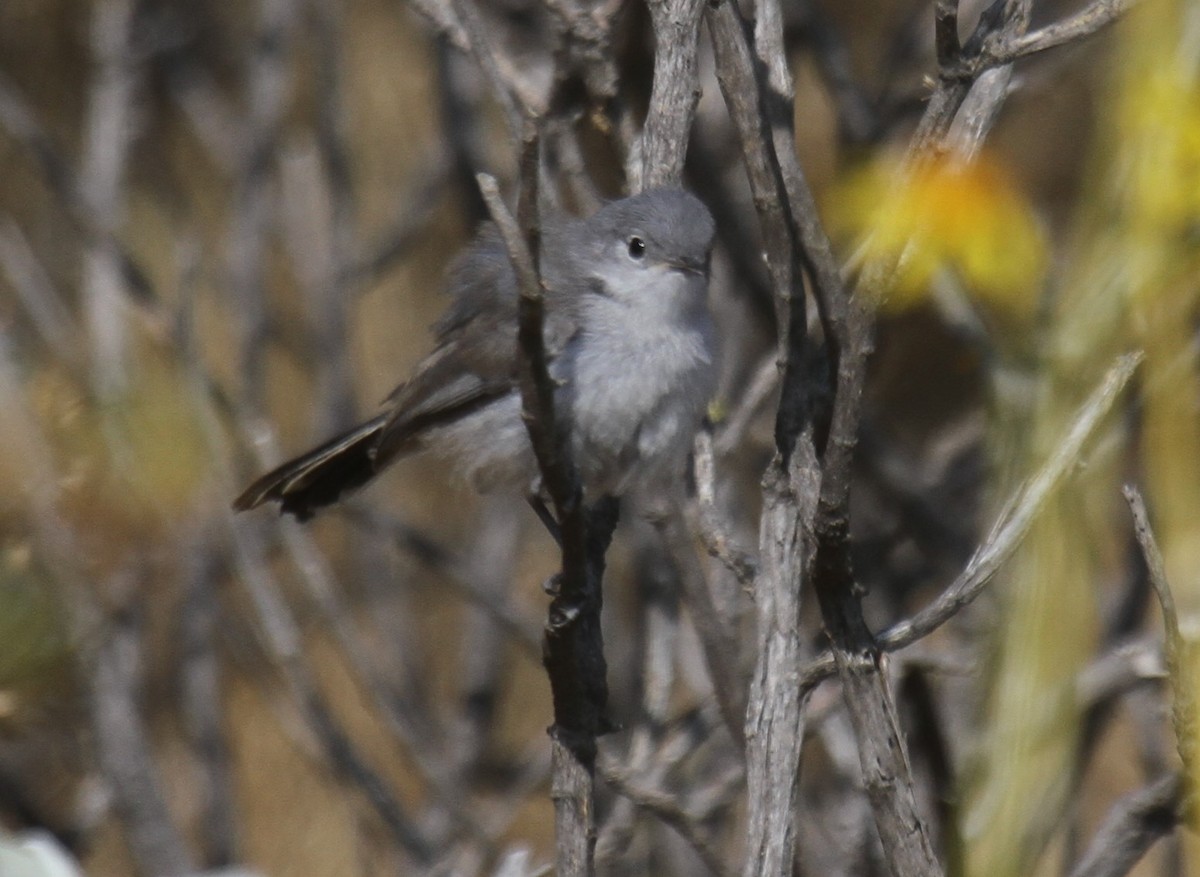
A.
x: 305, y: 150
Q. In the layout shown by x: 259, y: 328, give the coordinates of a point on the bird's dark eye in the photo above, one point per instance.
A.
x: 637, y: 247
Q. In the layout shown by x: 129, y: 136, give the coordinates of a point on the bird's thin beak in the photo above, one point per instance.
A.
x: 693, y: 266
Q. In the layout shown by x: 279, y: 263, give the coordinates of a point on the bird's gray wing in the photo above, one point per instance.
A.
x: 461, y: 376
x: 474, y: 363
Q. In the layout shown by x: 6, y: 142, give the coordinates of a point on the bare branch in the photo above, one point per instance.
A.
x: 201, y: 700
x: 574, y: 649
x: 1008, y: 531
x: 512, y: 102
x: 108, y: 136
x: 945, y: 17
x: 18, y: 119
x: 283, y: 641
x: 713, y: 533
x: 1084, y: 23
x: 978, y: 113
x: 439, y: 14
x: 821, y: 494
x: 1183, y: 705
x: 774, y: 718
x: 666, y: 808
x: 124, y: 754
x: 42, y: 301
x: 1136, y: 822
x: 675, y: 93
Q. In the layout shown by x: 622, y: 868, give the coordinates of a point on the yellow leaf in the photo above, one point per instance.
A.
x: 965, y: 217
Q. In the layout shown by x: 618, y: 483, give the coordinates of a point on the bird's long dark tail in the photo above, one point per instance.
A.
x: 319, y: 477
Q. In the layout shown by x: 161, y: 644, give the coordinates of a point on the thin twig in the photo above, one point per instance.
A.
x: 1084, y: 23
x: 1136, y: 822
x: 43, y: 302
x: 201, y: 700
x: 774, y: 715
x: 674, y: 93
x: 283, y: 641
x: 505, y: 89
x: 945, y: 19
x: 1183, y: 704
x: 1008, y: 531
x: 108, y: 136
x: 574, y: 649
x: 445, y: 561
x: 124, y: 753
x: 666, y: 808
x: 713, y: 534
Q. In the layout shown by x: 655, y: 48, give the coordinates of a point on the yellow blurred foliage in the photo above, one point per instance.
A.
x: 131, y: 465
x: 1157, y: 119
x: 944, y: 215
x: 1130, y: 282
x: 1158, y: 100
x: 33, y: 641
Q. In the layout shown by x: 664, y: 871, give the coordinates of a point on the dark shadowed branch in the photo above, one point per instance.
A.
x: 573, y: 646
x: 1009, y: 530
x: 1132, y: 826
x: 774, y: 720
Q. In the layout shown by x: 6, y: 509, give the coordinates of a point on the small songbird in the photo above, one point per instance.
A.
x: 631, y: 346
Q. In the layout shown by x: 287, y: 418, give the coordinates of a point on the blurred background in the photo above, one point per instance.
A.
x: 223, y: 234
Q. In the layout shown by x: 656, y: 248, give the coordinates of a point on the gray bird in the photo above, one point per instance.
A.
x: 632, y: 349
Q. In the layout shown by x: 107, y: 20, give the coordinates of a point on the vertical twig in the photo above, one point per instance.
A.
x: 718, y: 636
x: 267, y: 87
x: 573, y: 647
x: 123, y: 751
x: 201, y: 701
x: 330, y: 299
x: 657, y: 586
x: 284, y: 644
x: 109, y: 127
x: 674, y: 92
x: 774, y: 718
x: 1179, y: 668
x: 490, y: 567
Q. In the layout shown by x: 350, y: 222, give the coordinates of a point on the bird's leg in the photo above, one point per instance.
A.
x: 552, y: 585
x: 545, y: 516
